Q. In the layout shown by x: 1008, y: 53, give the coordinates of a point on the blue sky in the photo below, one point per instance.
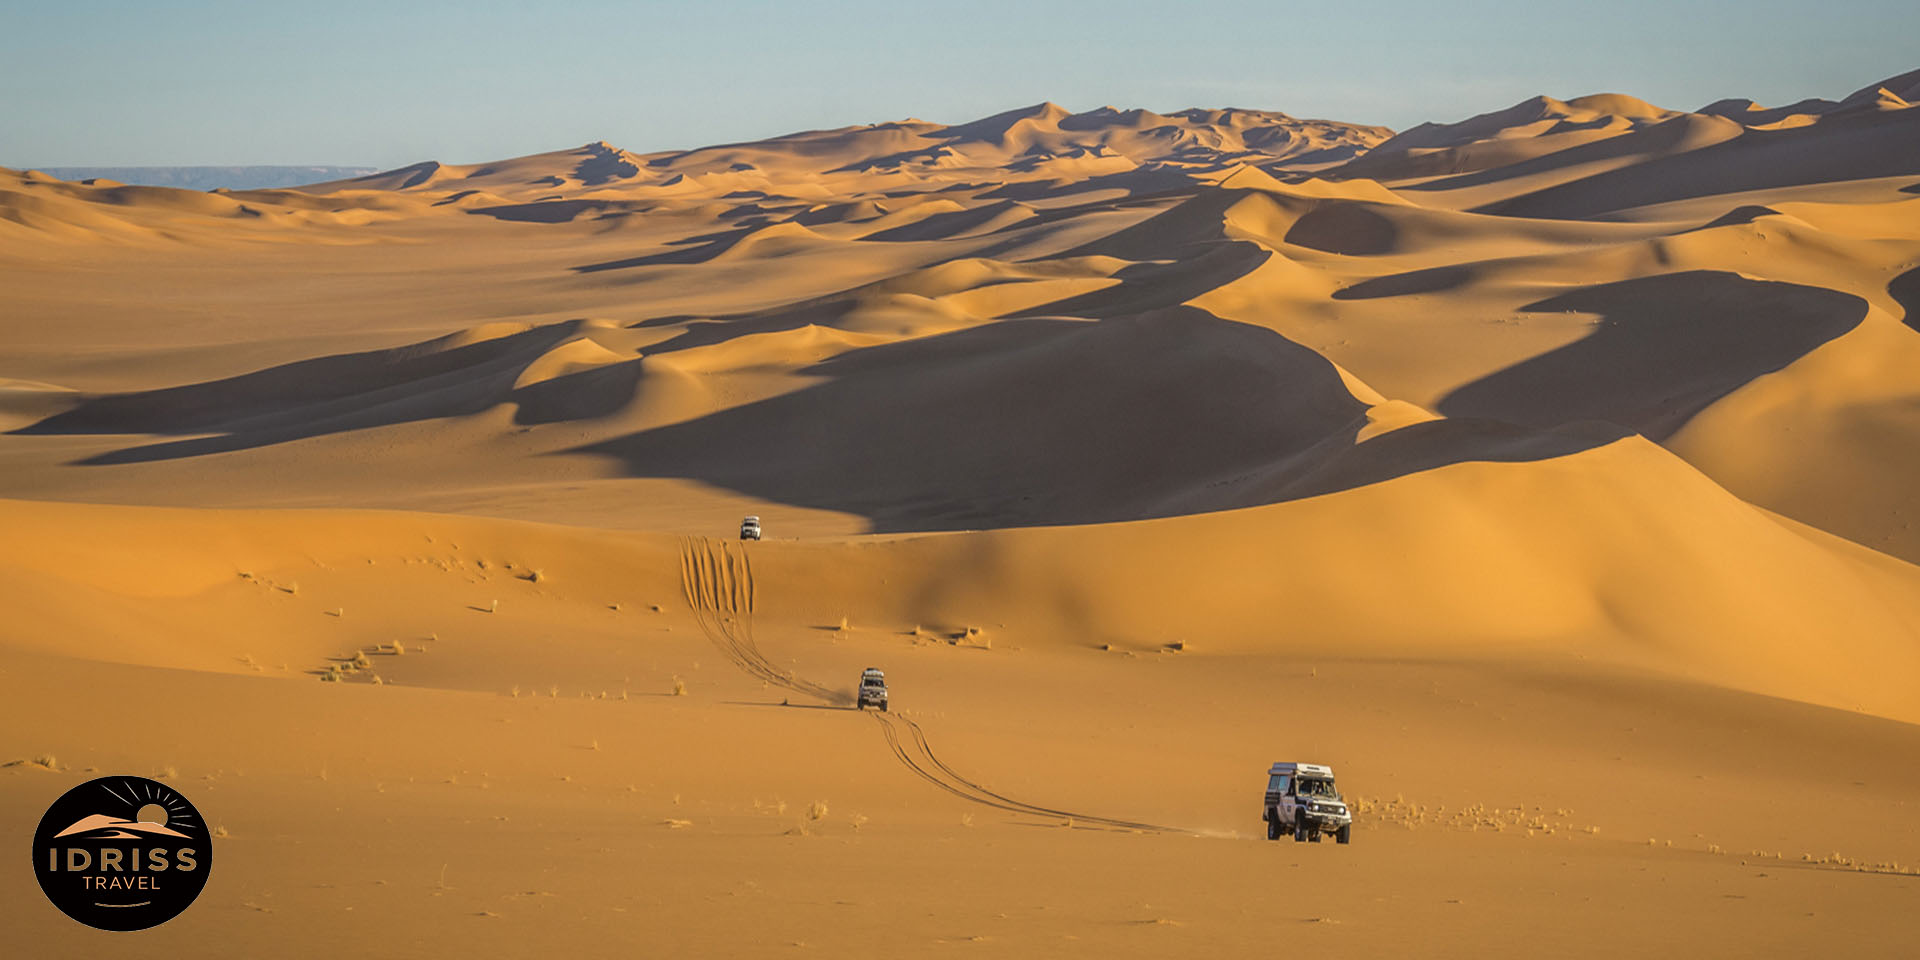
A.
x: 383, y: 84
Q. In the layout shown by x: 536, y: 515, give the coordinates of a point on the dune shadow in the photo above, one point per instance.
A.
x: 583, y: 395
x: 707, y: 331
x: 1043, y: 420
x: 549, y: 211
x: 691, y: 250
x: 1905, y: 290
x: 602, y: 164
x: 1640, y: 141
x: 1155, y: 286
x: 1438, y: 443
x: 437, y: 379
x: 942, y: 226
x: 1862, y: 145
x: 1429, y: 280
x: 1738, y: 216
x: 1349, y: 229
x: 1665, y: 347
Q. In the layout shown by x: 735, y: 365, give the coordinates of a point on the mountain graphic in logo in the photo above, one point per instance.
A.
x: 103, y: 827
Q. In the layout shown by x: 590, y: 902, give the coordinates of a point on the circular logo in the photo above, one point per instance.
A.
x: 122, y: 853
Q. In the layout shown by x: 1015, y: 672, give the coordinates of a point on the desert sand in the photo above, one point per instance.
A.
x: 1552, y: 474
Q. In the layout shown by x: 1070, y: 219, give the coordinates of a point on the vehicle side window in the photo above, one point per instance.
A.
x: 1277, y: 783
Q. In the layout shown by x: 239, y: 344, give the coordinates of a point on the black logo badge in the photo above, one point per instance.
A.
x: 122, y: 853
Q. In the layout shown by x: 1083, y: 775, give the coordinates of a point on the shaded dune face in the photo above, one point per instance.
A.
x: 1663, y: 349
x: 1018, y: 422
x: 1905, y: 289
x: 433, y: 380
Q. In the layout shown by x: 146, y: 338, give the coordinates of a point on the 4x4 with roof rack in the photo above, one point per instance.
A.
x: 873, y: 690
x: 1302, y: 800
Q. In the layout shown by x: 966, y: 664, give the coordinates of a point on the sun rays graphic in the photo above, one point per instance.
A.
x: 138, y: 795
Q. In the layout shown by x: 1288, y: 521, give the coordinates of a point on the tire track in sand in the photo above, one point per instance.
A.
x: 718, y: 582
x: 717, y: 579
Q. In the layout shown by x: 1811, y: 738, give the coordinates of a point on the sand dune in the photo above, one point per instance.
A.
x: 1600, y: 156
x: 1572, y: 443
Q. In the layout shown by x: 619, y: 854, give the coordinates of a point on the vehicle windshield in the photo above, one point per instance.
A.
x: 1316, y: 788
x: 872, y: 682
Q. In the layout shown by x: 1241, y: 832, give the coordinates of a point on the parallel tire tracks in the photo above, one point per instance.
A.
x: 718, y: 582
x: 717, y: 579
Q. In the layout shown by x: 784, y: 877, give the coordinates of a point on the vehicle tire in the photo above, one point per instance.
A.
x: 1345, y: 834
x: 1273, y: 829
x: 883, y: 707
x: 1299, y: 831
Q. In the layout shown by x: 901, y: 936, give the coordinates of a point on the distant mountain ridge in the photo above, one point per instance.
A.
x: 211, y: 178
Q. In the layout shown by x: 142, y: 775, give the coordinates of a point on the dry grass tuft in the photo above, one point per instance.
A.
x: 679, y: 687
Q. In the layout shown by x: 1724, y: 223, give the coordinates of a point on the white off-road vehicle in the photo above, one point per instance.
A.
x: 873, y: 690
x: 1302, y: 800
x: 750, y: 528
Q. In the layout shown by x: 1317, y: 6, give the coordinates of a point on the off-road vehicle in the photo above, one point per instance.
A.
x: 750, y: 528
x: 1302, y: 800
x: 873, y: 690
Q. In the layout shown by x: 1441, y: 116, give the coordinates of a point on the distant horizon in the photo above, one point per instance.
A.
x: 226, y: 83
